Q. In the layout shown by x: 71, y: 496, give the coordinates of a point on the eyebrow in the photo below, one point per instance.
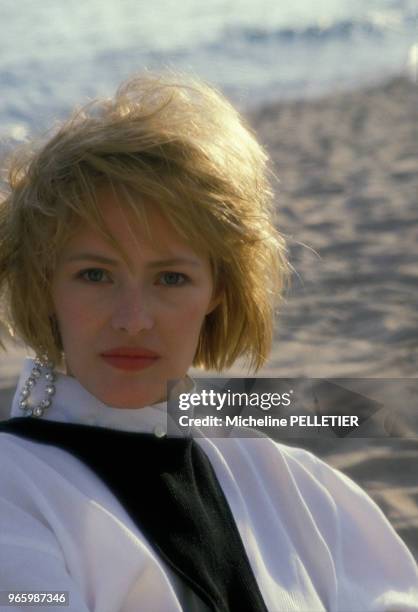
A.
x: 174, y: 261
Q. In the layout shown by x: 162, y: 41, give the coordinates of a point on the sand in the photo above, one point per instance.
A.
x: 348, y: 204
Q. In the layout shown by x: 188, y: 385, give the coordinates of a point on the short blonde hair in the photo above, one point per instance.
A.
x: 175, y: 142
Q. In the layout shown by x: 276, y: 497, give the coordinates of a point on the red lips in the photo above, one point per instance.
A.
x: 129, y: 351
x: 130, y: 358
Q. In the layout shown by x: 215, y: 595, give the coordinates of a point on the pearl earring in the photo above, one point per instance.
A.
x: 41, y: 366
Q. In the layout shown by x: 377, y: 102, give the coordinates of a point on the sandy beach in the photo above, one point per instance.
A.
x: 347, y: 200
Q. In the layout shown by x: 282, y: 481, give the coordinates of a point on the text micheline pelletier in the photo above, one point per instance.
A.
x: 215, y: 401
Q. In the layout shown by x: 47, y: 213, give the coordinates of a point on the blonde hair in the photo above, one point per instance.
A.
x: 171, y: 141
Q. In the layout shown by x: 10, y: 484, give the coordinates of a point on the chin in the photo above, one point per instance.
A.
x: 129, y: 401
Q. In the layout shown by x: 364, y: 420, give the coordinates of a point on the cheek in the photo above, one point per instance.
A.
x: 73, y: 317
x: 187, y: 321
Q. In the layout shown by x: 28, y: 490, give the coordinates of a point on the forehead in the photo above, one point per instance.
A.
x: 131, y: 235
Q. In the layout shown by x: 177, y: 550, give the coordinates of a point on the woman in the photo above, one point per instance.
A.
x: 137, y: 241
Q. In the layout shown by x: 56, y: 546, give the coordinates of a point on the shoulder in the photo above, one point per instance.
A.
x: 27, y: 466
x: 277, y: 463
x: 34, y: 468
x: 292, y: 480
x: 299, y: 474
x: 13, y: 447
x: 321, y: 508
x: 274, y: 462
x: 18, y: 448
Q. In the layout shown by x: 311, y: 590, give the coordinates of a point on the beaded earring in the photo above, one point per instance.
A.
x: 42, y: 368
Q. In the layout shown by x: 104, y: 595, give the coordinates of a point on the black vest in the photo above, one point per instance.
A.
x: 180, y: 506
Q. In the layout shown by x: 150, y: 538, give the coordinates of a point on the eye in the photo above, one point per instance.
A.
x: 94, y: 275
x: 173, y: 279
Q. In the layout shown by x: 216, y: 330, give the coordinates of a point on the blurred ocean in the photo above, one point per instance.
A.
x: 55, y: 53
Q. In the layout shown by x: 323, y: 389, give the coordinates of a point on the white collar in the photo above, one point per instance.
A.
x: 72, y: 403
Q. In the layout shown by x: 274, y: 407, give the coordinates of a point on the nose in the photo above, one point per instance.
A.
x: 131, y: 314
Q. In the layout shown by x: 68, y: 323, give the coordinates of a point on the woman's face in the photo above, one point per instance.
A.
x: 128, y: 329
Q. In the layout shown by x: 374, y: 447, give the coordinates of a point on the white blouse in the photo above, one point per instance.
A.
x: 314, y: 539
